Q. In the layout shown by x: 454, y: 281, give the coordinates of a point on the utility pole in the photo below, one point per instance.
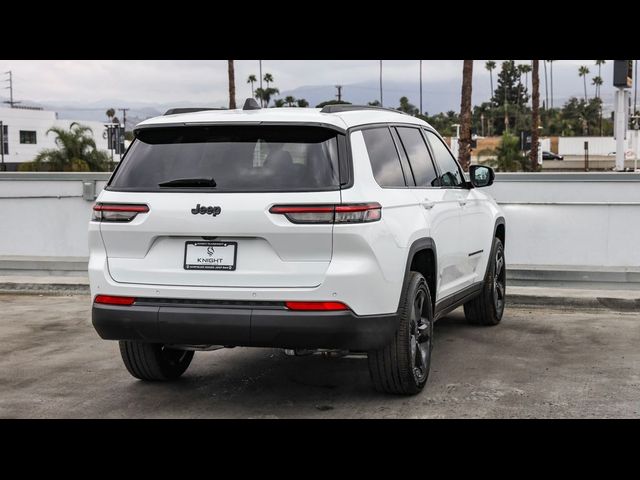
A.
x: 381, y: 104
x: 339, y: 94
x: 635, y: 88
x: 10, y: 87
x: 421, y: 88
x: 124, y: 117
x: 261, y: 91
x: 622, y: 79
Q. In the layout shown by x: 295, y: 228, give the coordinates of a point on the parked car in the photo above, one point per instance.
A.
x: 343, y: 228
x: 551, y: 156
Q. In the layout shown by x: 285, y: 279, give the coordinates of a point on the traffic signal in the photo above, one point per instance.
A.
x: 623, y: 73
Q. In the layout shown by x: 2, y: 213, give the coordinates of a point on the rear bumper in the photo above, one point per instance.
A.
x: 238, y: 326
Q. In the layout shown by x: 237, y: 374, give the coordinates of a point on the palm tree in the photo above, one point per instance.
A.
x: 252, y: 79
x: 278, y: 103
x: 76, y: 151
x: 465, y: 115
x: 302, y: 103
x: 583, y: 71
x: 110, y: 114
x: 232, y: 85
x: 535, y: 114
x: 289, y: 100
x: 490, y: 65
x: 268, y: 78
x: 597, y: 81
x: 599, y: 64
x: 265, y: 94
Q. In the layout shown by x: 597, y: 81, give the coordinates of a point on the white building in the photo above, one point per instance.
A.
x: 25, y: 133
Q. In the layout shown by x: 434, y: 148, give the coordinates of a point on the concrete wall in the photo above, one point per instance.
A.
x: 555, y: 221
x: 598, y: 145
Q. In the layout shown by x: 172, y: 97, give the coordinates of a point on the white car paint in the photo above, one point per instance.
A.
x: 361, y: 265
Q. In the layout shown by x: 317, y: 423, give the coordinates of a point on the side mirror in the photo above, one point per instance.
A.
x: 481, y: 176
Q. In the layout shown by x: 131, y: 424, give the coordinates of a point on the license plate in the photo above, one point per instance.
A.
x: 210, y: 255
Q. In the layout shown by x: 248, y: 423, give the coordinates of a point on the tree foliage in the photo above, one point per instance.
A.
x: 76, y: 152
x: 407, y: 107
x: 332, y: 102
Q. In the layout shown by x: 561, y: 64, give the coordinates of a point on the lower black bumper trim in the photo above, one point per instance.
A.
x: 252, y: 327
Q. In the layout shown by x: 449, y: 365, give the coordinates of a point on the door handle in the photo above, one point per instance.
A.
x: 427, y: 204
x: 462, y: 202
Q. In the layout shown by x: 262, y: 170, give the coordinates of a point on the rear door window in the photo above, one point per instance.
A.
x: 422, y: 166
x: 383, y: 157
x: 231, y: 158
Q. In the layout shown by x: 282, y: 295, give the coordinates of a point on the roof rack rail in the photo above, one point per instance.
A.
x: 337, y: 108
x: 174, y: 111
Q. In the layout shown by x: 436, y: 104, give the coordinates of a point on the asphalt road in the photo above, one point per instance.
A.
x: 538, y: 363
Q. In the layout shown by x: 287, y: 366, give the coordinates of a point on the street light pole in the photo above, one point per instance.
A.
x: 620, y: 128
x: 420, y: 87
x: 2, y: 165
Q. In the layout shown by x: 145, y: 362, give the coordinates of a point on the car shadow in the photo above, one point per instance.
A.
x: 251, y: 382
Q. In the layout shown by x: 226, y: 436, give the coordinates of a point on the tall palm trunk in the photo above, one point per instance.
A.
x: 465, y: 116
x: 232, y: 85
x: 491, y: 103
x: 551, y: 77
x: 546, y: 86
x: 535, y: 114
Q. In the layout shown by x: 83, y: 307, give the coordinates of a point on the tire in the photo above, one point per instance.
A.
x: 402, y: 367
x: 488, y: 307
x: 154, y: 361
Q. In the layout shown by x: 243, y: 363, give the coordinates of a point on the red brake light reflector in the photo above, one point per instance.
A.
x: 316, y: 306
x: 342, y: 213
x: 114, y: 300
x: 117, y: 212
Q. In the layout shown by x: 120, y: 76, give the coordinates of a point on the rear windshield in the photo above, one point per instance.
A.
x: 230, y: 158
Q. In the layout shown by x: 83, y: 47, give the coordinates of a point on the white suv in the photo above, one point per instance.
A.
x: 347, y: 228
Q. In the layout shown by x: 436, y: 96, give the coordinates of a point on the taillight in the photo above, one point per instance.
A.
x: 114, y: 300
x: 117, y: 212
x: 343, y: 213
x: 316, y: 306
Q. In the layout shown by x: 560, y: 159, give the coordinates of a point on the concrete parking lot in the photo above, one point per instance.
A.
x: 539, y: 363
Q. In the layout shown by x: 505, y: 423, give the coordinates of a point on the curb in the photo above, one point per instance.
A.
x: 610, y: 303
x: 44, y: 289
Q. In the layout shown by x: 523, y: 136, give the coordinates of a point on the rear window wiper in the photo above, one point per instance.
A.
x: 189, y: 182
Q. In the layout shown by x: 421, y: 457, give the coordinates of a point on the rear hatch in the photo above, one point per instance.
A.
x: 208, y: 190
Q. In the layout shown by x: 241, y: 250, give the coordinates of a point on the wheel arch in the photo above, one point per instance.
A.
x: 423, y: 258
x: 499, y: 229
